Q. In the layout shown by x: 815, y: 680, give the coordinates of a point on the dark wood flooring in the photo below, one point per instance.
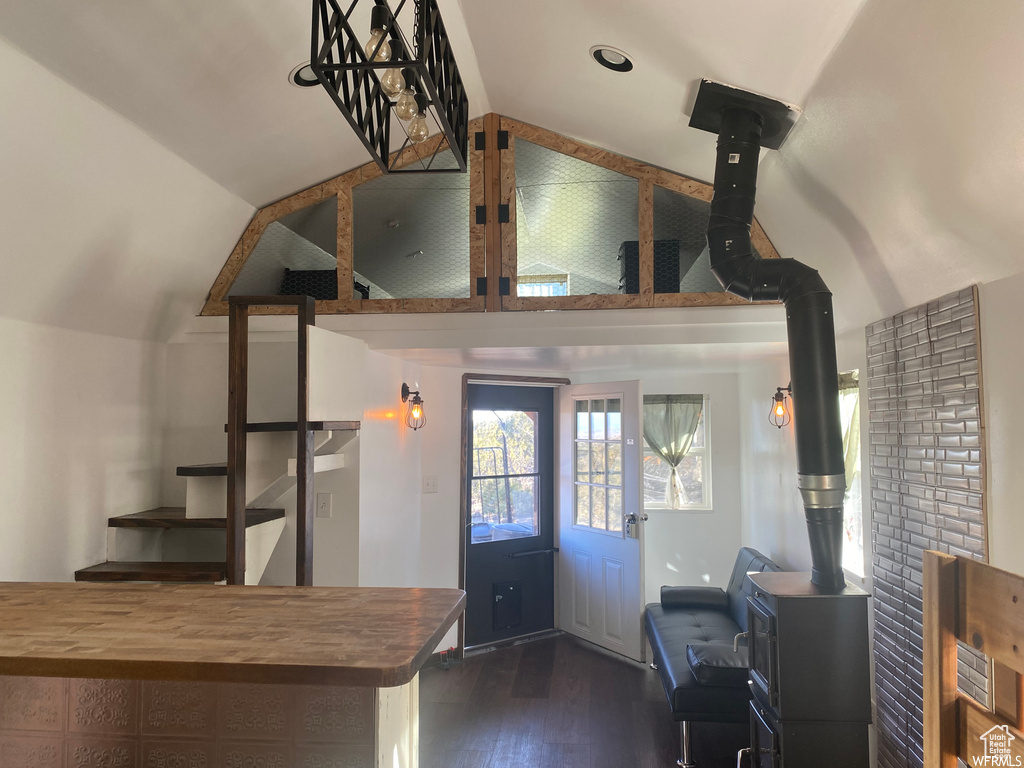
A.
x: 556, y: 703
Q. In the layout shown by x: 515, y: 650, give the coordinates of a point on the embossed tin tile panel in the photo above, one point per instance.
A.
x: 927, y: 492
x: 82, y: 723
x: 32, y: 704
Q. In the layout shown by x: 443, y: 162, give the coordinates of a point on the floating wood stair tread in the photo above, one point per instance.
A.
x: 174, y: 517
x: 199, y: 573
x: 291, y: 426
x: 219, y: 469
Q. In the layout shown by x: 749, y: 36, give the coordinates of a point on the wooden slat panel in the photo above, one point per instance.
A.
x: 992, y: 612
x: 1005, y: 685
x: 940, y: 623
x: 976, y: 722
x: 307, y: 635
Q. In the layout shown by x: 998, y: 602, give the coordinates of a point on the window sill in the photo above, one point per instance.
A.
x: 701, y: 509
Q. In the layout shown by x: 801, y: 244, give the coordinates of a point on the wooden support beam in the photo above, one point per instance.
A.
x: 492, y: 245
x: 645, y: 228
x: 238, y: 375
x: 305, y: 508
x: 492, y: 199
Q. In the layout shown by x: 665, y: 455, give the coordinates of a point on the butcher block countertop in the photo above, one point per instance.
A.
x: 373, y: 637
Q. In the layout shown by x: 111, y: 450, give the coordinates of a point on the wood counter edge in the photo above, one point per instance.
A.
x: 218, y: 672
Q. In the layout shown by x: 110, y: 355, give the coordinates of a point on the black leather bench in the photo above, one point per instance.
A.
x: 692, y: 633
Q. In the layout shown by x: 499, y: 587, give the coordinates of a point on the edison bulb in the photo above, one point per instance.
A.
x: 417, y: 412
x: 780, y: 410
x: 418, y: 129
x: 405, y: 107
x: 384, y: 54
x: 392, y: 83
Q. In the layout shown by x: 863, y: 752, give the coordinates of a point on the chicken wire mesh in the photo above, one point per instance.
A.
x: 572, y: 220
x: 411, y: 234
x: 682, y: 263
x: 295, y: 255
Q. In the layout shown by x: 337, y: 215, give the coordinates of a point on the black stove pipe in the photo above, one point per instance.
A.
x: 812, y: 346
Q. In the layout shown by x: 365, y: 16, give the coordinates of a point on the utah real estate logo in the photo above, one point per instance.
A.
x: 997, y: 748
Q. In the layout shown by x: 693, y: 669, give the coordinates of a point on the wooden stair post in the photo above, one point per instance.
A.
x: 238, y: 337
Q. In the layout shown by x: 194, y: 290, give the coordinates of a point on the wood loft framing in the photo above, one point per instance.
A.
x: 493, y: 233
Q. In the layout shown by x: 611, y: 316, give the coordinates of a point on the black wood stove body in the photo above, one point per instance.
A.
x: 809, y: 674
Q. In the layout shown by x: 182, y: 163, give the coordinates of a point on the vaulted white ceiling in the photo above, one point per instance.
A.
x: 902, y: 180
x: 209, y: 80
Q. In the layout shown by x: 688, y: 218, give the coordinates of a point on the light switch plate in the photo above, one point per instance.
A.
x: 430, y: 483
x: 323, y: 505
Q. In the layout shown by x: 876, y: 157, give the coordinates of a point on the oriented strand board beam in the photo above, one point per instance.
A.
x: 493, y: 251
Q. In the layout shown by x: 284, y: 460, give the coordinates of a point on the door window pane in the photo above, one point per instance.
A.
x: 614, y: 509
x: 582, y: 420
x: 504, y: 442
x: 597, y: 419
x: 614, y: 464
x: 598, y: 512
x: 615, y: 419
x: 504, y: 508
x: 597, y: 463
x: 583, y: 505
x: 598, y: 460
x: 582, y: 463
x: 504, y: 501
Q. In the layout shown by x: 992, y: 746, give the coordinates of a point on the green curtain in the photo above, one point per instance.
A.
x: 669, y: 425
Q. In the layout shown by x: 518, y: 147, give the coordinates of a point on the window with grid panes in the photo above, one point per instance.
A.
x: 598, y: 461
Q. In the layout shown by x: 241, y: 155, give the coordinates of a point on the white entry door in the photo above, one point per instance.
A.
x: 601, y: 567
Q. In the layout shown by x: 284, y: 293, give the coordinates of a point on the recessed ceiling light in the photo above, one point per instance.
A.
x: 303, y: 76
x: 612, y: 58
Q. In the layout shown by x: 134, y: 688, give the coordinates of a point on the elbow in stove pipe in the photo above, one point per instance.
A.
x: 812, y: 347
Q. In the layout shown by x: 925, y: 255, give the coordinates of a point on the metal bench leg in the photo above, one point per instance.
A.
x: 686, y: 761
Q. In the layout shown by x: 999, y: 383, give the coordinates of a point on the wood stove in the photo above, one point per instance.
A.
x: 809, y: 674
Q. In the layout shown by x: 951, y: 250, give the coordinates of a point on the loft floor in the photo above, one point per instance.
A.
x: 555, y: 703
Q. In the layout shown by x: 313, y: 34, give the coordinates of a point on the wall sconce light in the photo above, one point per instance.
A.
x: 414, y: 415
x: 781, y: 414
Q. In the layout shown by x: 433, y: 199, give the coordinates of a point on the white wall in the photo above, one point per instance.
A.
x: 80, y: 416
x: 389, y: 477
x: 1002, y: 369
x: 103, y: 229
x: 773, y: 517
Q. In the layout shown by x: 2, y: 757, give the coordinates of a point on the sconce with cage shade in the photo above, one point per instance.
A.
x: 415, y: 418
x: 781, y: 413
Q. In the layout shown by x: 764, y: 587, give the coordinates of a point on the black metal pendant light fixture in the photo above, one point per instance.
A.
x: 395, y: 91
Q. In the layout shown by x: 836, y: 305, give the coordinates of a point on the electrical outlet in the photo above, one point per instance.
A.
x: 430, y: 483
x: 323, y: 505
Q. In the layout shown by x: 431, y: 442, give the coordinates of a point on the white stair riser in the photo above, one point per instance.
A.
x: 260, y: 541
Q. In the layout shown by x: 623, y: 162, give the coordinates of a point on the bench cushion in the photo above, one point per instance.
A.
x: 670, y: 633
x: 694, y: 597
x: 718, y: 664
